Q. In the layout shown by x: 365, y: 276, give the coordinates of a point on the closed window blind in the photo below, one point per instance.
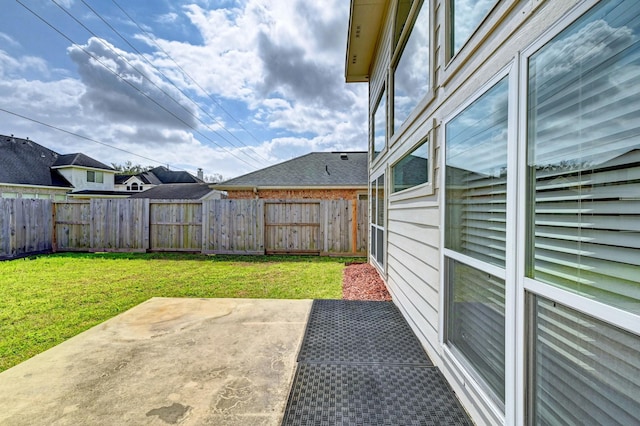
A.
x: 476, y: 178
x: 584, y: 371
x: 477, y: 322
x: 584, y: 159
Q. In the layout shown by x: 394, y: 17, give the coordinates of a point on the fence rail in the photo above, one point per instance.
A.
x: 326, y: 227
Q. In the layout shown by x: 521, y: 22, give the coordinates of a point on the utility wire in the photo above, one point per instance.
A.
x: 80, y: 136
x: 141, y: 55
x: 185, y: 73
x: 144, y: 76
x: 127, y: 82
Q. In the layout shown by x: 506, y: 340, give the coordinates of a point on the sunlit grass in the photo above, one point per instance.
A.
x: 45, y: 300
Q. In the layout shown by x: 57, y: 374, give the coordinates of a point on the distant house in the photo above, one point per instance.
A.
x: 158, y: 176
x: 180, y: 191
x: 317, y: 175
x: 29, y: 170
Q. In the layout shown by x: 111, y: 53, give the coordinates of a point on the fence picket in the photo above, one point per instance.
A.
x: 215, y: 226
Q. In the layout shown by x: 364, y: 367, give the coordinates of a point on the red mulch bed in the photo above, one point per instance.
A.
x: 361, y: 281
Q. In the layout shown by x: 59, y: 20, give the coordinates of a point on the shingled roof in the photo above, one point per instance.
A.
x: 161, y: 175
x: 175, y: 191
x: 316, y: 169
x: 24, y: 162
x: 79, y: 160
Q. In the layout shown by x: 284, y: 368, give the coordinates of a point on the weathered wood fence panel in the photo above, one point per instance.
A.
x: 175, y: 225
x: 327, y: 227
x: 72, y: 226
x: 25, y: 227
x: 362, y: 224
x: 120, y: 225
x: 292, y: 227
x: 234, y: 226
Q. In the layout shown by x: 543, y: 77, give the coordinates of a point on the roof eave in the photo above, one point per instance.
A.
x: 365, y: 23
x: 285, y: 187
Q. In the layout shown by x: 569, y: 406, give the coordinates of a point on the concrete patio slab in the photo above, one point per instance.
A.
x: 166, y: 361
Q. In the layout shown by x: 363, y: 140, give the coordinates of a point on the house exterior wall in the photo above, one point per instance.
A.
x: 413, y: 266
x: 297, y: 194
x: 34, y: 192
x: 78, y: 178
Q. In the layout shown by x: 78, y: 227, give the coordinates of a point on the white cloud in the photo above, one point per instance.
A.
x: 282, y: 62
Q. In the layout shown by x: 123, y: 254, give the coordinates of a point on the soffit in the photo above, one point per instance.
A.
x: 365, y: 21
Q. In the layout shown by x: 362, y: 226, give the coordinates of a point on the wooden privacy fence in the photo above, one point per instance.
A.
x: 325, y: 227
x: 25, y: 227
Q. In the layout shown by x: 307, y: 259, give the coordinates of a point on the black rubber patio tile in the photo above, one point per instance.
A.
x: 341, y: 331
x: 371, y: 394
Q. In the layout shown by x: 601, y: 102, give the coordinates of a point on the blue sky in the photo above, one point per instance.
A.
x: 228, y: 86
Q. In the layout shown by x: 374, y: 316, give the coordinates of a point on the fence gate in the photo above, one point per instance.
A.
x: 292, y: 227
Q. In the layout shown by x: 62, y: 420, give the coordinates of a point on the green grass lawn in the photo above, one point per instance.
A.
x: 45, y: 300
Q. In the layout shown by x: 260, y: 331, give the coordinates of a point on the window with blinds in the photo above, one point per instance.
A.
x: 584, y: 157
x: 583, y: 371
x: 583, y: 219
x: 476, y: 145
x: 477, y: 322
x: 476, y: 178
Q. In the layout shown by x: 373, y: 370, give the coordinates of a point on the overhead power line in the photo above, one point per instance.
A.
x: 129, y: 83
x: 145, y: 77
x: 184, y: 72
x: 51, y: 126
x: 143, y: 57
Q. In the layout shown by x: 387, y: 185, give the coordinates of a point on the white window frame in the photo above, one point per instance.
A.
x: 382, y: 93
x: 595, y: 309
x: 378, y: 227
x: 424, y: 189
x: 500, y: 413
x: 603, y: 312
x: 395, y: 59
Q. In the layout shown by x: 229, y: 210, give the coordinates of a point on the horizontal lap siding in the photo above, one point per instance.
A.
x: 413, y: 267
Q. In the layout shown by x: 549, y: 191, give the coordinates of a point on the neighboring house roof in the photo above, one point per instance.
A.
x: 98, y: 192
x: 80, y: 160
x: 161, y: 175
x: 176, y: 191
x: 24, y: 162
x: 316, y: 169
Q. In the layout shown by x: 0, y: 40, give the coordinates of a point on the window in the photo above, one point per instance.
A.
x: 572, y: 352
x: 465, y: 16
x: 584, y: 157
x: 93, y: 176
x: 476, y: 322
x: 380, y: 125
x: 377, y: 219
x: 476, y: 178
x: 9, y: 195
x: 475, y: 233
x: 134, y: 186
x: 411, y: 74
x: 582, y: 224
x: 413, y: 169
